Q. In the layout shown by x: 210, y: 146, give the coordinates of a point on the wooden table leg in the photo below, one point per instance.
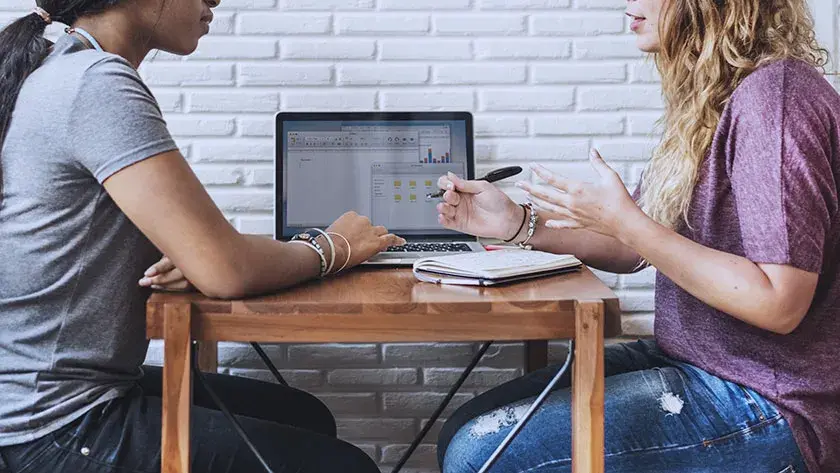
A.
x: 588, y: 389
x: 208, y: 357
x: 536, y: 355
x: 177, y: 389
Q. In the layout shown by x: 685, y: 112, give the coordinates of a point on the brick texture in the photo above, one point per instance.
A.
x: 546, y: 80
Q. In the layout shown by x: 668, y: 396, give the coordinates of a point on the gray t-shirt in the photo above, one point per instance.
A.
x: 72, y: 330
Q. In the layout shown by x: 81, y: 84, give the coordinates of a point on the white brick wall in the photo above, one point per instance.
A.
x: 546, y: 80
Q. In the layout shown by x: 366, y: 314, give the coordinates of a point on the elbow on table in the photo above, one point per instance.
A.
x: 222, y: 283
x: 224, y: 293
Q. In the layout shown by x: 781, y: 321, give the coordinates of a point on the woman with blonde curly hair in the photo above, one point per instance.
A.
x: 738, y: 212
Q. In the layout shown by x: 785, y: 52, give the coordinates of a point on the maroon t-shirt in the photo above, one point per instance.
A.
x: 768, y: 191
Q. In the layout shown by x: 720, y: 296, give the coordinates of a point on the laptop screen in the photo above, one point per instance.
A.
x: 380, y: 165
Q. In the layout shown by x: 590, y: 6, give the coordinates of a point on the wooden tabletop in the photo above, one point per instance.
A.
x: 390, y: 305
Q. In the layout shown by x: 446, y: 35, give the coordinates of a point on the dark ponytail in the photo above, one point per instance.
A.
x: 23, y: 48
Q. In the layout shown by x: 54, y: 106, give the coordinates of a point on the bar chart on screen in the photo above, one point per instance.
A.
x: 435, y: 146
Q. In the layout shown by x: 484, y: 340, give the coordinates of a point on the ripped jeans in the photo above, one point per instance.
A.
x: 661, y: 416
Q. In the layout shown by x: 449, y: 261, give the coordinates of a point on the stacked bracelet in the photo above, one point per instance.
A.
x: 332, y: 248
x: 307, y: 238
x: 532, y: 227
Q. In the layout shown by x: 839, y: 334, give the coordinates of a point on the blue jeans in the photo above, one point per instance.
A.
x: 293, y: 431
x: 661, y: 416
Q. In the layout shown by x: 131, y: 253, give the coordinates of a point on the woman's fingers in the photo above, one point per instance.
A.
x: 445, y: 184
x: 446, y: 210
x: 467, y: 187
x: 176, y: 286
x: 451, y: 198
x: 165, y: 279
x: 447, y: 222
x: 553, y: 209
x: 389, y: 240
x: 552, y: 179
x: 547, y: 194
x: 565, y: 224
x: 549, y: 206
x: 162, y: 266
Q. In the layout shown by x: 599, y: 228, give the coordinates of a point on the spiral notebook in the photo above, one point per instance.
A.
x: 493, y: 267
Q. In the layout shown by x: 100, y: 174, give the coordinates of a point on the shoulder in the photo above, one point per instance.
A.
x: 71, y: 72
x: 109, y: 68
x: 108, y: 82
x: 71, y: 60
x: 780, y: 82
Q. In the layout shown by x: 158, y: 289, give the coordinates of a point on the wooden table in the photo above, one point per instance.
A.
x: 390, y: 305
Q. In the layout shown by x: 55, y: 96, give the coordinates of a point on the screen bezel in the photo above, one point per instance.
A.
x: 283, y: 117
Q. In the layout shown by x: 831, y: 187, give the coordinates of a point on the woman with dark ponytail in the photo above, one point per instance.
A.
x: 93, y: 192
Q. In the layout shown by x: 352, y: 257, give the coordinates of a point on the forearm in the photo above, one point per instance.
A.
x: 267, y: 265
x: 726, y: 282
x: 593, y: 249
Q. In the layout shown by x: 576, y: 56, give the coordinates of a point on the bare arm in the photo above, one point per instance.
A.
x: 162, y: 196
x: 770, y: 296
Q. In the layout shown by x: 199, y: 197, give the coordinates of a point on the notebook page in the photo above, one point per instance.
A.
x: 496, y: 263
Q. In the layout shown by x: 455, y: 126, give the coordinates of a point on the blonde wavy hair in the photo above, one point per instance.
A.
x: 708, y: 48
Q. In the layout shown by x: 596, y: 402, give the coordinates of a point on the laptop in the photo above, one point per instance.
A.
x: 379, y: 164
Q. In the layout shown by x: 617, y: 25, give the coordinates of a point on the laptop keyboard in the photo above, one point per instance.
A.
x: 430, y: 247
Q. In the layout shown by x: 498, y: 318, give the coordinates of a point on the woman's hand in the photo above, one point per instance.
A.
x: 600, y: 207
x: 478, y: 208
x: 164, y: 276
x: 365, y: 240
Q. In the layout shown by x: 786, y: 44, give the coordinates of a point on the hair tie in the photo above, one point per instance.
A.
x: 45, y: 15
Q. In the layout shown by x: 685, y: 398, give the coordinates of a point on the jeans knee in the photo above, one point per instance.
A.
x: 464, y: 454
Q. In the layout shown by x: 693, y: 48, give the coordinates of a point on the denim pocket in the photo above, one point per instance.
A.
x: 71, y: 435
x: 91, y: 444
x: 751, y: 401
x: 740, y: 434
x: 35, y: 456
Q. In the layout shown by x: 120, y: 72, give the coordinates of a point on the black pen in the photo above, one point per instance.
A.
x: 492, y: 176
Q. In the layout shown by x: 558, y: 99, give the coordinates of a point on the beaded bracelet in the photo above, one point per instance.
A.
x: 532, y: 227
x: 332, y: 247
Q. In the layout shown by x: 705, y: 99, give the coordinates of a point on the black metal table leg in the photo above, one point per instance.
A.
x: 268, y: 363
x: 407, y: 455
x: 222, y: 407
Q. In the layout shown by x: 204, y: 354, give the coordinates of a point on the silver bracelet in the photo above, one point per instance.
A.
x: 532, y: 227
x: 349, y: 251
x: 332, y: 248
